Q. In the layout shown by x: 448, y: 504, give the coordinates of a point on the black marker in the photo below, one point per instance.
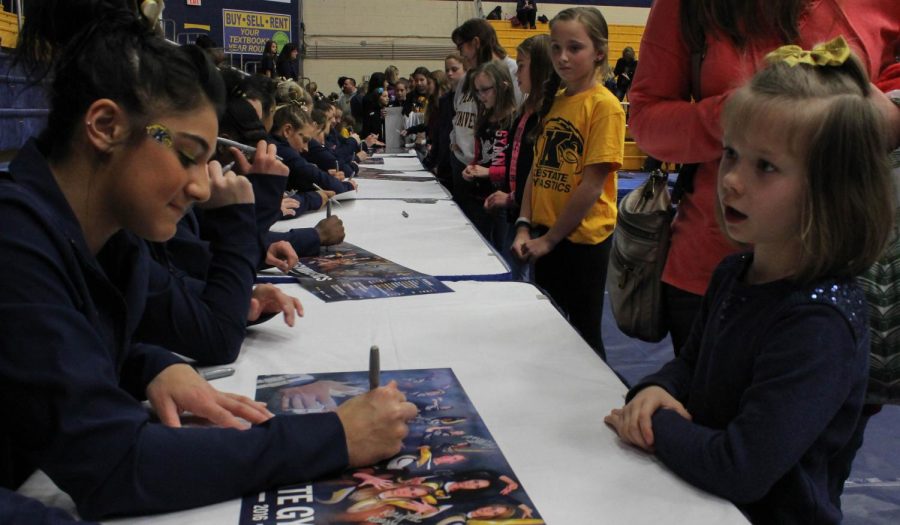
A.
x: 327, y: 214
x: 374, y: 368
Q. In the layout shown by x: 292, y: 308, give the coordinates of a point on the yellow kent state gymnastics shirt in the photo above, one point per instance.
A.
x: 584, y: 129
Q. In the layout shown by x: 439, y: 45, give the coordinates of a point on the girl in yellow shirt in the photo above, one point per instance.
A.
x: 570, y: 204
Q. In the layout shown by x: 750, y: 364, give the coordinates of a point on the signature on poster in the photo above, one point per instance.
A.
x: 450, y: 470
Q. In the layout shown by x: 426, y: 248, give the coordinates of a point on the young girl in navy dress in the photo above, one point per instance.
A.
x: 760, y: 406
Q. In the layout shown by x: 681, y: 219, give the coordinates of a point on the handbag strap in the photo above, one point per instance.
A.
x: 685, y: 181
x: 651, y: 190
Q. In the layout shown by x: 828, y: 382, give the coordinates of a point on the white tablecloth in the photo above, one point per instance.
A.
x: 398, y: 163
x: 428, y: 188
x: 434, y: 238
x: 541, y: 391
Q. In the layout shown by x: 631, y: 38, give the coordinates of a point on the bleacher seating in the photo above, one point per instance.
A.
x: 510, y: 36
x: 23, y: 108
x: 9, y: 29
x: 620, y: 37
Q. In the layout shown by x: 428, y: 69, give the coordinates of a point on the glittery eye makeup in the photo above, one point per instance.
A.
x: 160, y: 134
x: 164, y: 136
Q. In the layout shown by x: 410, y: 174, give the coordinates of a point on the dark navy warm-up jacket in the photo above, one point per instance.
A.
x: 72, y: 378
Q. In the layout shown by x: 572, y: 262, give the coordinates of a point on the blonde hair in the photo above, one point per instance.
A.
x: 596, y: 28
x: 290, y: 114
x: 454, y: 56
x: 290, y: 91
x: 848, y: 207
x: 392, y: 74
x: 441, y: 82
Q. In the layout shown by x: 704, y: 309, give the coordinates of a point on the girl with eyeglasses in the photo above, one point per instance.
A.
x: 494, y: 92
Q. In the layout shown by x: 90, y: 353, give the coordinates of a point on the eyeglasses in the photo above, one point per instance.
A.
x: 484, y: 91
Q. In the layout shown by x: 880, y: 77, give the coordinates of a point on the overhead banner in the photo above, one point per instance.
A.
x: 246, y: 32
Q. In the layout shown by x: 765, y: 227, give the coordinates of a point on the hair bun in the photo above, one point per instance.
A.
x: 151, y: 9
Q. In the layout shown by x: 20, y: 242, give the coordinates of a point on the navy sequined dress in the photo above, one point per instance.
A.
x: 773, y: 376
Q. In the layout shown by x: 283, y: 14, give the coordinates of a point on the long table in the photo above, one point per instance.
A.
x: 431, y: 237
x: 537, y: 385
x: 425, y: 188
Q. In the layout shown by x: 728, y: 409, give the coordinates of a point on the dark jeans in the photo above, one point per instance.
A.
x: 574, y: 275
x: 527, y: 17
x: 460, y: 187
x: 494, y: 227
x: 444, y: 175
x: 491, y: 226
x: 680, y: 309
x: 521, y: 270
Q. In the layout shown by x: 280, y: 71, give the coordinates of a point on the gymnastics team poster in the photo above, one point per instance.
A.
x: 449, y: 472
x: 345, y: 272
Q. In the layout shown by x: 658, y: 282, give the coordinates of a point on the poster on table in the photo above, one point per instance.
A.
x: 346, y: 272
x: 449, y: 472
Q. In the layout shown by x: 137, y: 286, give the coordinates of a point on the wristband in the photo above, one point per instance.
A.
x: 523, y: 221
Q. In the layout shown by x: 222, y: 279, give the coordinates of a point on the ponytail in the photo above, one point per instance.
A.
x: 551, y: 86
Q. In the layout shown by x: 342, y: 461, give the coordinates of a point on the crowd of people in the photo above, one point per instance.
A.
x: 133, y: 233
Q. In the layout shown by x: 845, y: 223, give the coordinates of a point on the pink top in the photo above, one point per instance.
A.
x: 516, y: 145
x: 668, y: 127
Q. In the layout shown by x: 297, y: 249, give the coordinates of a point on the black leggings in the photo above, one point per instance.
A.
x: 491, y: 225
x: 575, y: 277
x: 527, y: 17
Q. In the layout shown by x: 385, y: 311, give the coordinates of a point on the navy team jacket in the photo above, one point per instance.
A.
x: 72, y: 379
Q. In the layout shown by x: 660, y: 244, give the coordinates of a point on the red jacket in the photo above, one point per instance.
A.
x: 667, y: 126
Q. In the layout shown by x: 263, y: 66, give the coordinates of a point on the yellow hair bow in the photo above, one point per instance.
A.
x: 832, y: 53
